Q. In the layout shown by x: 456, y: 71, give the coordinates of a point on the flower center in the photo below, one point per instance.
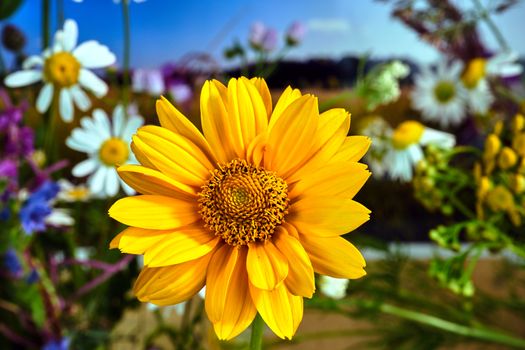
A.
x: 113, y: 152
x: 242, y: 203
x: 78, y: 193
x: 474, y: 72
x: 62, y: 69
x: 407, y: 133
x: 444, y: 91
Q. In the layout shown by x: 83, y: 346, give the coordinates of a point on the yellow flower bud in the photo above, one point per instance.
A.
x: 518, y: 123
x: 407, y: 133
x: 474, y: 72
x: 517, y: 183
x: 498, y: 127
x: 500, y: 199
x: 507, y: 158
x: 492, y: 146
x: 483, y: 187
x: 518, y: 143
x: 477, y: 171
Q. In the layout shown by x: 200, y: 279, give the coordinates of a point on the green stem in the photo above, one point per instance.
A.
x: 335, y: 100
x: 484, y: 14
x: 45, y: 23
x: 478, y: 333
x: 269, y: 70
x: 257, y: 333
x: 126, y: 56
x: 461, y: 207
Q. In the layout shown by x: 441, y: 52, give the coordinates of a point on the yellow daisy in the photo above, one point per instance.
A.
x: 250, y: 208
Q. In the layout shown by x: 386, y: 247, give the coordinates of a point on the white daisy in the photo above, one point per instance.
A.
x: 72, y: 193
x: 334, y: 288
x: 504, y: 65
x: 107, y: 145
x: 149, y: 81
x: 60, y: 217
x: 64, y: 69
x: 406, y: 148
x: 440, y: 96
x: 380, y: 133
x: 479, y: 97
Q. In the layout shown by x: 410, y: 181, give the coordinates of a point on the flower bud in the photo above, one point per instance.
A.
x: 12, y: 38
x: 507, y: 158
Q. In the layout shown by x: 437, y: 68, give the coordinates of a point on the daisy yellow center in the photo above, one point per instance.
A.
x: 62, y: 69
x: 444, y: 91
x: 113, y: 152
x: 78, y: 193
x: 474, y: 72
x: 407, y: 133
x: 242, y: 203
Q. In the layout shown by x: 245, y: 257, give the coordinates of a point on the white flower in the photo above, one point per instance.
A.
x: 380, y: 133
x: 334, y: 288
x: 440, y: 96
x: 480, y: 98
x: 406, y: 148
x: 64, y: 69
x: 503, y: 65
x: 72, y: 193
x: 149, y: 81
x: 59, y: 218
x: 107, y: 145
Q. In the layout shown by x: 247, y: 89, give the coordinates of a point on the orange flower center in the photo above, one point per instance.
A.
x: 62, y: 69
x: 242, y: 203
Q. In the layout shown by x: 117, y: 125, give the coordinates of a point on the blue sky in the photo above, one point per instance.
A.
x: 165, y: 30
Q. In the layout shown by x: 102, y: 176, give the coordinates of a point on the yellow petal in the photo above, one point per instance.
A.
x: 290, y: 140
x: 215, y: 121
x: 300, y: 280
x: 171, y: 284
x: 174, y: 155
x: 115, y: 241
x: 172, y: 119
x: 281, y: 310
x: 335, y: 179
x: 141, y: 157
x: 219, y: 280
x: 239, y: 310
x: 267, y: 267
x: 353, y: 149
x: 330, y: 136
x: 287, y: 97
x: 150, y: 181
x: 256, y: 149
x: 334, y: 256
x: 134, y: 240
x: 260, y: 85
x: 154, y: 212
x: 180, y: 246
x: 327, y: 216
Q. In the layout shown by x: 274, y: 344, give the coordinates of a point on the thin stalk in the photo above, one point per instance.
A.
x: 484, y: 14
x: 126, y: 56
x: 257, y: 333
x: 45, y: 23
x: 2, y: 64
x: 478, y: 333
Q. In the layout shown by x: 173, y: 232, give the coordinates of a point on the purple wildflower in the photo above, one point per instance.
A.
x: 57, y: 344
x: 12, y: 263
x: 295, y: 34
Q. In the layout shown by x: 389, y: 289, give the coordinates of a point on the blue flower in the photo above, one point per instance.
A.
x: 61, y: 344
x: 33, y: 277
x: 47, y: 191
x: 12, y: 263
x: 33, y: 215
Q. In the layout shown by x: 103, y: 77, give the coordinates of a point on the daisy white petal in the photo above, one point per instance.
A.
x: 90, y: 81
x: 59, y: 217
x: 44, y: 98
x: 91, y: 54
x: 70, y: 35
x: 85, y: 167
x: 66, y: 105
x: 112, y: 182
x: 102, y: 123
x: 80, y: 98
x: 129, y: 191
x: 32, y: 61
x: 97, y: 181
x: 438, y: 138
x: 134, y: 122
x: 118, y: 120
x: 23, y: 78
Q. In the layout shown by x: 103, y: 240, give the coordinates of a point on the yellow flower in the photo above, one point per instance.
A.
x: 407, y: 133
x: 518, y: 143
x: 250, y: 208
x: 517, y: 183
x: 507, y: 158
x: 492, y: 146
x: 518, y: 123
x: 500, y: 199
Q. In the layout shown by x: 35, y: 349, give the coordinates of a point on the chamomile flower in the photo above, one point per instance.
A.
x: 440, y: 96
x: 408, y: 140
x: 72, y: 193
x: 334, y: 288
x: 64, y: 69
x: 380, y: 132
x: 107, y: 146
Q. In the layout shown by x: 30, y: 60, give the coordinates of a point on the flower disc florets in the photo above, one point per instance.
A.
x: 242, y: 203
